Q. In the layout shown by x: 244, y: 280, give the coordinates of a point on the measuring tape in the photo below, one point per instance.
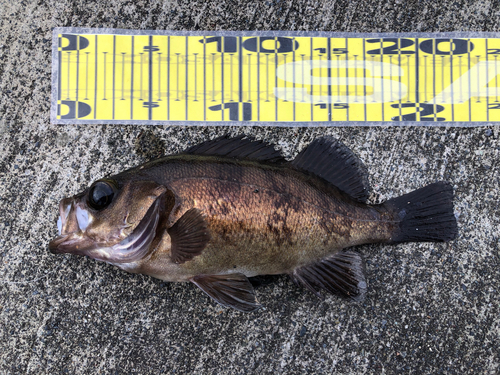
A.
x: 274, y: 78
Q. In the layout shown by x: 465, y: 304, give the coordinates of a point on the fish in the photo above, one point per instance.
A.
x: 233, y: 208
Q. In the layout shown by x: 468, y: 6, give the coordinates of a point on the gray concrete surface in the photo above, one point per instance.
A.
x: 431, y: 308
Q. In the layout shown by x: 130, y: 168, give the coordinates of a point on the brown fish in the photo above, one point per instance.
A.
x: 233, y: 208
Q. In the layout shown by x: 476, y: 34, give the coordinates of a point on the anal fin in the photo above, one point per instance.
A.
x: 233, y: 290
x: 342, y: 273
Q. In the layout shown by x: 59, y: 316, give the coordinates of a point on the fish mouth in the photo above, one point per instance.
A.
x: 134, y: 247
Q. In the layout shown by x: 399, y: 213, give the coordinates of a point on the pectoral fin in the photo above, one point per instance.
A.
x: 342, y: 273
x: 233, y: 290
x: 189, y: 236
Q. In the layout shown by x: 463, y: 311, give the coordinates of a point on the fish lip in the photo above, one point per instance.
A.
x: 73, y: 243
x: 55, y: 245
x: 132, y: 248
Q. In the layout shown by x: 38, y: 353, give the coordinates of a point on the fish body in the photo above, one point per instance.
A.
x: 262, y: 219
x: 233, y: 208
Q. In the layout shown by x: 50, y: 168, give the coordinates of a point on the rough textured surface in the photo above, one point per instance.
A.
x: 430, y: 308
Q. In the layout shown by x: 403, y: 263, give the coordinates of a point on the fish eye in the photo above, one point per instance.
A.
x: 100, y: 195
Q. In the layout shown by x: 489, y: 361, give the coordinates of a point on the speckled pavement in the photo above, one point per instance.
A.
x: 430, y: 308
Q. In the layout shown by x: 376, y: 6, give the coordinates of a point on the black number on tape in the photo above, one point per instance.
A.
x: 228, y: 42
x: 151, y: 48
x: 339, y: 50
x: 455, y: 46
x: 424, y: 110
x: 393, y: 49
x: 234, y: 110
x: 75, y: 42
x: 150, y: 105
x: 83, y: 109
x: 340, y: 106
x: 335, y: 105
x: 432, y: 46
x: 281, y: 44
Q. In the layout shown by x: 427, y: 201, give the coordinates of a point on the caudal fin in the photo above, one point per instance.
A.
x: 426, y: 214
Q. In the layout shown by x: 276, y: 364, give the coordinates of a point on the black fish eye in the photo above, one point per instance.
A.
x: 100, y: 195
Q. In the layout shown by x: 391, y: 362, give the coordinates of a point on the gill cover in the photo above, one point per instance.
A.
x: 112, y: 221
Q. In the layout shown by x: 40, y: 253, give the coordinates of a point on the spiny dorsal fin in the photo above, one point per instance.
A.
x: 233, y: 290
x: 342, y: 273
x: 240, y: 147
x: 331, y: 160
x: 189, y: 236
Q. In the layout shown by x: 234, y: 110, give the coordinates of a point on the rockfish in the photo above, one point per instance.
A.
x: 233, y: 208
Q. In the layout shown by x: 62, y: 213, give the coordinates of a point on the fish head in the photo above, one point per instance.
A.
x: 113, y: 221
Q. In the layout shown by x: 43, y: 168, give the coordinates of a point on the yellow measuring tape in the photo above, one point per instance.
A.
x: 276, y: 78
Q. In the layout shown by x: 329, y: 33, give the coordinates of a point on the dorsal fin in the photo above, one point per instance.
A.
x: 331, y: 160
x: 240, y: 147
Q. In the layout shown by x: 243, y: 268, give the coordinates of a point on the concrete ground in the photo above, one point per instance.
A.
x: 430, y: 308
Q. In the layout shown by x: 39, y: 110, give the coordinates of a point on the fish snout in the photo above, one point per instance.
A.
x: 55, y: 246
x: 72, y: 221
x: 73, y: 243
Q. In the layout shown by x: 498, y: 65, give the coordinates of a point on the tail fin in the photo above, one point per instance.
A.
x: 426, y: 214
